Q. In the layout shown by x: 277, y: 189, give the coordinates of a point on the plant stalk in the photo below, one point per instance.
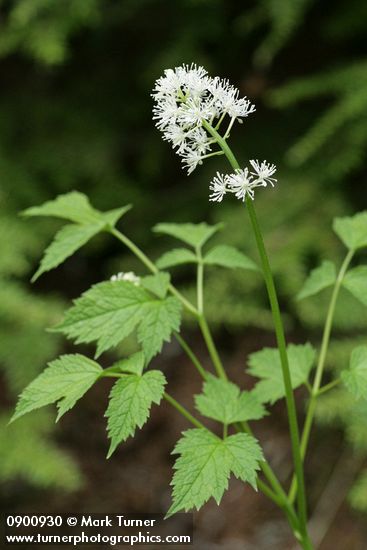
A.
x: 279, y: 332
x: 321, y: 364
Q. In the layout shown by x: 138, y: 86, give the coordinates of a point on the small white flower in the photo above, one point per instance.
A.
x: 241, y: 108
x: 166, y: 113
x: 218, y: 188
x: 191, y: 159
x: 177, y: 135
x: 129, y: 276
x: 263, y: 172
x: 198, y: 140
x: 193, y: 112
x: 240, y: 183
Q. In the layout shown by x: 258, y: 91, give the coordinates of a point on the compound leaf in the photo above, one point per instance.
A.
x: 206, y: 463
x: 64, y: 381
x: 130, y: 402
x: 265, y: 364
x: 321, y: 277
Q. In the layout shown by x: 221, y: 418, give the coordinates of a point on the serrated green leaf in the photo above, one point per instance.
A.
x: 265, y: 364
x: 131, y: 399
x: 157, y: 284
x: 110, y: 311
x: 72, y: 206
x: 320, y: 278
x: 132, y: 365
x: 158, y: 322
x: 355, y: 378
x: 352, y: 230
x: 67, y: 241
x: 223, y: 401
x: 64, y: 381
x: 196, y: 235
x: 356, y: 282
x: 177, y: 256
x: 229, y: 256
x: 205, y: 465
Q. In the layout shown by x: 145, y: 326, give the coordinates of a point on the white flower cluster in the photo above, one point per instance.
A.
x: 189, y: 108
x: 129, y: 276
x: 185, y: 97
x: 242, y: 182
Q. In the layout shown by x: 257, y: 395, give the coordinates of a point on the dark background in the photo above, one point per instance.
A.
x: 75, y: 113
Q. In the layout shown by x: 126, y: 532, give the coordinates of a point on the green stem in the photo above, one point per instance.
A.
x: 321, y: 364
x: 328, y: 386
x: 200, y: 281
x: 191, y: 355
x: 279, y: 332
x: 282, y: 497
x: 183, y: 411
x: 211, y: 347
x: 153, y: 268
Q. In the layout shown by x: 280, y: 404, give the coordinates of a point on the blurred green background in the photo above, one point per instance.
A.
x: 75, y: 113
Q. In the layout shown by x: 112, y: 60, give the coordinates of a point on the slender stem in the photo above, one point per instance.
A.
x: 191, y: 355
x: 153, y: 268
x: 211, y: 347
x: 200, y: 281
x: 321, y: 364
x: 181, y: 409
x: 279, y: 332
x: 282, y: 497
x: 329, y: 386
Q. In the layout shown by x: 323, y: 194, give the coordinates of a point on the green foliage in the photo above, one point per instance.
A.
x: 131, y: 365
x: 228, y: 256
x: 265, y: 364
x: 77, y: 208
x: 319, y: 278
x: 31, y: 456
x: 110, y: 311
x: 195, y: 235
x: 356, y: 282
x: 130, y: 401
x: 65, y: 381
x: 205, y: 465
x: 223, y: 401
x: 41, y: 28
x: 355, y: 378
x: 358, y: 494
x: 352, y: 230
x: 177, y: 256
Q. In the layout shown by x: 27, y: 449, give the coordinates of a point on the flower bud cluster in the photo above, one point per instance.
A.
x: 128, y: 276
